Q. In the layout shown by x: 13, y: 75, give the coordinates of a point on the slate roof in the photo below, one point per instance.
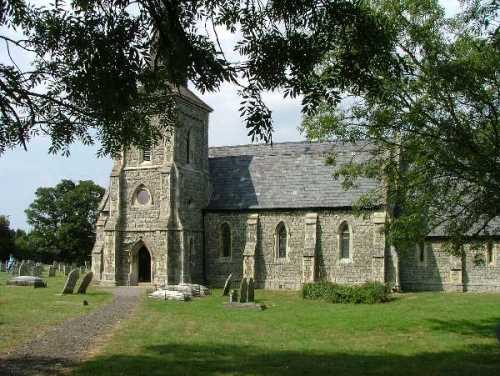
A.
x: 284, y: 175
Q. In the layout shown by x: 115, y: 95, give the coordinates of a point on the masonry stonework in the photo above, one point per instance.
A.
x: 162, y: 218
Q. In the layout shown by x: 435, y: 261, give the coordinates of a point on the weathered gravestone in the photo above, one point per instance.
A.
x: 70, y: 284
x: 24, y: 269
x: 52, y: 271
x: 251, y: 291
x: 233, y: 296
x: 227, y: 285
x: 87, y: 278
x: 37, y: 270
x: 243, y: 290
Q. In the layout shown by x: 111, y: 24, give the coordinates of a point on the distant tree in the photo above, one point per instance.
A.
x: 100, y: 67
x: 432, y: 116
x: 6, y: 238
x: 63, y: 220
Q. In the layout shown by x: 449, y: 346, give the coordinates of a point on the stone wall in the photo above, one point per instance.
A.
x: 366, y: 261
x: 440, y: 271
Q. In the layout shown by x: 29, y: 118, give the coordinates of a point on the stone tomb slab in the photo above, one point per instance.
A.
x: 27, y: 281
x: 250, y: 305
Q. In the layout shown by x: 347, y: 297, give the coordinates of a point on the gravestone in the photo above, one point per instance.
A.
x: 243, y: 290
x: 52, y: 271
x: 3, y: 268
x: 37, y: 270
x: 233, y: 296
x: 227, y: 285
x: 87, y: 278
x: 70, y: 284
x: 251, y: 291
x: 24, y: 269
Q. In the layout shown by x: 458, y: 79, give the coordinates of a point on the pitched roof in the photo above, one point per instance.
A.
x: 285, y: 175
x: 188, y: 95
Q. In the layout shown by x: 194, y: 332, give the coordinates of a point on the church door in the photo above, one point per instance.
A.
x: 144, y: 265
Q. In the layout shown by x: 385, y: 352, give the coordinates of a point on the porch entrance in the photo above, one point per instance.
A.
x: 144, y: 265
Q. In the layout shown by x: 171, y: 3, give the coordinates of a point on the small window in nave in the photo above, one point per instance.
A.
x: 345, y: 239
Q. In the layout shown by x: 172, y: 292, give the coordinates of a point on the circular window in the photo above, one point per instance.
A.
x: 143, y: 196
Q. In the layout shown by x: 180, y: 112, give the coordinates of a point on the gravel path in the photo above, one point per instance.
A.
x: 64, y: 345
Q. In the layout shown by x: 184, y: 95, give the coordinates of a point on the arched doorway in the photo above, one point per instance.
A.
x: 144, y: 263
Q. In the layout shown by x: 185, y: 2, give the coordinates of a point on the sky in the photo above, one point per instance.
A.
x: 22, y: 172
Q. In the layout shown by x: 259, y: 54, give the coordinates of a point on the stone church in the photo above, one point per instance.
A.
x: 182, y: 212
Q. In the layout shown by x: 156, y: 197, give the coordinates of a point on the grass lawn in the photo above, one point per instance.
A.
x: 26, y: 311
x: 416, y: 334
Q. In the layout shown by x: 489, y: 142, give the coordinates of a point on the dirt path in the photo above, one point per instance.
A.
x: 64, y: 345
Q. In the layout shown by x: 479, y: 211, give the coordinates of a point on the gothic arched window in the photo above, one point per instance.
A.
x: 225, y: 240
x: 345, y: 241
x: 281, y: 240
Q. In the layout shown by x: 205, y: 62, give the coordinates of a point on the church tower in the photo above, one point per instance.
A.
x: 150, y: 227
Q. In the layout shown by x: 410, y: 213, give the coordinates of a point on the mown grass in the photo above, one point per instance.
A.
x: 415, y: 334
x: 25, y: 311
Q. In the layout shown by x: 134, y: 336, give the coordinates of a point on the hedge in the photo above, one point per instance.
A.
x: 367, y: 293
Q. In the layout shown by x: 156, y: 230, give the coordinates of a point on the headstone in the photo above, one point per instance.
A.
x: 24, y: 269
x: 3, y: 268
x: 82, y: 269
x: 233, y: 296
x: 37, y: 270
x: 243, y: 290
x: 227, y: 285
x: 52, y: 271
x: 69, y: 286
x: 27, y: 281
x: 251, y: 291
x: 87, y: 278
x: 87, y: 265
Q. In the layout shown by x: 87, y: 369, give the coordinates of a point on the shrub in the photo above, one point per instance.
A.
x: 367, y: 293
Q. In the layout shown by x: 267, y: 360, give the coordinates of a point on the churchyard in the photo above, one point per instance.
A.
x: 26, y: 311
x: 413, y: 334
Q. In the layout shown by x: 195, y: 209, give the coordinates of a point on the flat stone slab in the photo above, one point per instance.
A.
x: 249, y: 305
x: 170, y: 295
x: 26, y: 280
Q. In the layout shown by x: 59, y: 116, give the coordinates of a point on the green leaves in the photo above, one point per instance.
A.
x: 430, y: 112
x: 63, y: 219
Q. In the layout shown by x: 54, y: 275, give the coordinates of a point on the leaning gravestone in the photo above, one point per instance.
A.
x: 52, y: 271
x: 24, y: 269
x: 227, y: 285
x: 70, y: 284
x: 243, y: 291
x: 87, y: 278
x: 251, y: 291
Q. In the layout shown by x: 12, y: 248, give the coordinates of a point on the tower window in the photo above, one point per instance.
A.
x: 146, y: 154
x: 281, y: 235
x: 188, y: 147
x: 142, y: 196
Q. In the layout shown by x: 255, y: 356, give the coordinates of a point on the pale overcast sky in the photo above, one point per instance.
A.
x: 21, y: 173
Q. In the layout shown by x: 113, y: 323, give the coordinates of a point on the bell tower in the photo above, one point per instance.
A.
x: 152, y: 210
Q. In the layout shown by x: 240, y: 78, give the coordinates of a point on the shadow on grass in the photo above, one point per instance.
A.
x: 478, y: 328
x: 178, y: 359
